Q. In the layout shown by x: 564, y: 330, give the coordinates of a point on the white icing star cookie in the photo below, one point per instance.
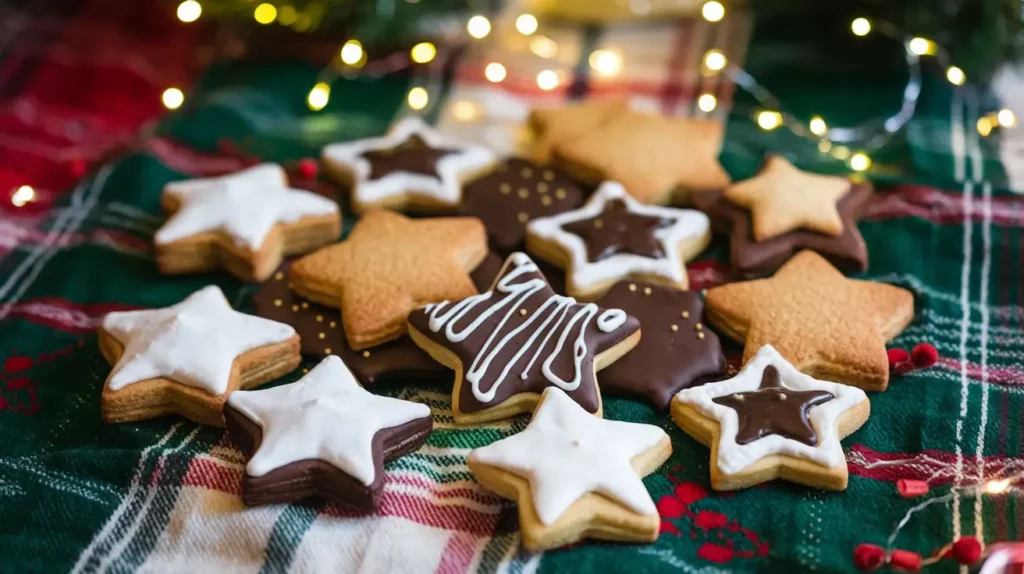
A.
x: 412, y: 167
x: 615, y: 237
x: 251, y: 218
x: 575, y: 475
x: 186, y: 358
x: 323, y: 417
x: 772, y: 421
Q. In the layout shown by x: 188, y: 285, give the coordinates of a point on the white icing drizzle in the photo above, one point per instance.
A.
x: 553, y: 316
x: 585, y: 274
x: 566, y: 453
x: 734, y: 457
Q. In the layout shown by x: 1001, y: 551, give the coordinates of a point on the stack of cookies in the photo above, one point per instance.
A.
x: 533, y: 285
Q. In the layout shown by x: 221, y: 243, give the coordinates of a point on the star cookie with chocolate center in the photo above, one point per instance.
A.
x: 772, y: 421
x: 615, y: 237
x: 828, y: 326
x: 186, y: 358
x: 245, y: 222
x: 413, y: 167
x: 575, y: 475
x: 508, y: 344
x: 322, y: 435
x: 388, y: 266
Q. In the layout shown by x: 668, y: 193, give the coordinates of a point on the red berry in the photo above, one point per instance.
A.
x: 77, y: 167
x: 903, y: 368
x: 868, y: 557
x: 308, y: 168
x: 896, y: 356
x: 966, y: 550
x: 924, y: 355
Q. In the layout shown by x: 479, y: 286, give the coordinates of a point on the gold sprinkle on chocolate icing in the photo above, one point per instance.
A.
x: 327, y: 351
x: 334, y: 324
x: 524, y: 193
x: 505, y: 188
x: 545, y: 200
x: 560, y: 193
x: 674, y: 327
x: 549, y: 175
x: 685, y: 314
x: 279, y: 276
x: 277, y: 302
x: 304, y: 371
x: 295, y: 308
x: 305, y: 305
x: 598, y: 224
x: 523, y: 217
x: 647, y: 290
x: 522, y: 312
x: 700, y: 335
x: 366, y: 354
x: 632, y: 286
x: 527, y: 172
x: 319, y: 318
x: 542, y: 187
x: 698, y: 326
x: 322, y: 335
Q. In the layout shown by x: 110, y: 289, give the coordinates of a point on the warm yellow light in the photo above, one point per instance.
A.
x: 23, y: 195
x: 840, y: 152
x: 984, y: 127
x: 955, y: 76
x: 418, y: 98
x: 526, y: 24
x: 172, y: 98
x: 769, y: 120
x: 713, y: 11
x: 860, y: 161
x: 547, y: 80
x: 265, y: 13
x: 861, y: 27
x: 287, y: 15
x: 706, y: 102
x: 464, y: 110
x: 543, y: 46
x: 606, y: 62
x: 1006, y: 118
x: 824, y: 146
x: 318, y: 96
x: 921, y: 46
x: 997, y: 486
x: 478, y: 26
x: 189, y: 11
x: 423, y: 52
x: 352, y: 52
x: 715, y: 60
x: 494, y: 72
x: 818, y: 126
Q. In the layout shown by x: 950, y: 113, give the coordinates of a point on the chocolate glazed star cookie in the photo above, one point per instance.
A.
x: 676, y: 351
x: 508, y: 344
x: 322, y: 332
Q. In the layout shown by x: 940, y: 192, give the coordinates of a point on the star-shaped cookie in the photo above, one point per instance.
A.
x: 388, y: 266
x: 772, y: 421
x: 508, y: 344
x: 245, y: 222
x: 676, y: 350
x: 828, y: 326
x: 751, y: 258
x: 186, y: 358
x: 652, y: 156
x: 782, y: 198
x: 554, y: 126
x: 322, y: 435
x: 616, y: 237
x: 575, y: 475
x: 413, y: 167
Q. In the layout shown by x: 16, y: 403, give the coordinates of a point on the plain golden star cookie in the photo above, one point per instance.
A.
x: 783, y: 198
x: 553, y: 126
x: 575, y: 475
x: 388, y: 266
x: 245, y: 222
x: 653, y: 156
x: 772, y: 421
x: 188, y: 357
x: 826, y: 325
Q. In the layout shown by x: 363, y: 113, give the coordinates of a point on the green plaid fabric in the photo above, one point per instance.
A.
x: 162, y: 495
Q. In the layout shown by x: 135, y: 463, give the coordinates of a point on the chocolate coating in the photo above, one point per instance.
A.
x: 515, y: 193
x: 617, y: 230
x: 774, y: 409
x: 751, y: 258
x: 411, y: 156
x: 677, y: 349
x: 315, y: 477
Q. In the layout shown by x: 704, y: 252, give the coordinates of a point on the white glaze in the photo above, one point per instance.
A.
x: 245, y: 205
x: 733, y: 457
x: 451, y: 169
x: 566, y: 453
x: 585, y: 274
x: 193, y: 342
x: 551, y: 317
x: 324, y: 415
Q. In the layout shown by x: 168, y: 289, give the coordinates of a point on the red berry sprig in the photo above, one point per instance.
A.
x: 922, y: 356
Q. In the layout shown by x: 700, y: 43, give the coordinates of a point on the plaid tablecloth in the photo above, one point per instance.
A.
x: 163, y: 495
